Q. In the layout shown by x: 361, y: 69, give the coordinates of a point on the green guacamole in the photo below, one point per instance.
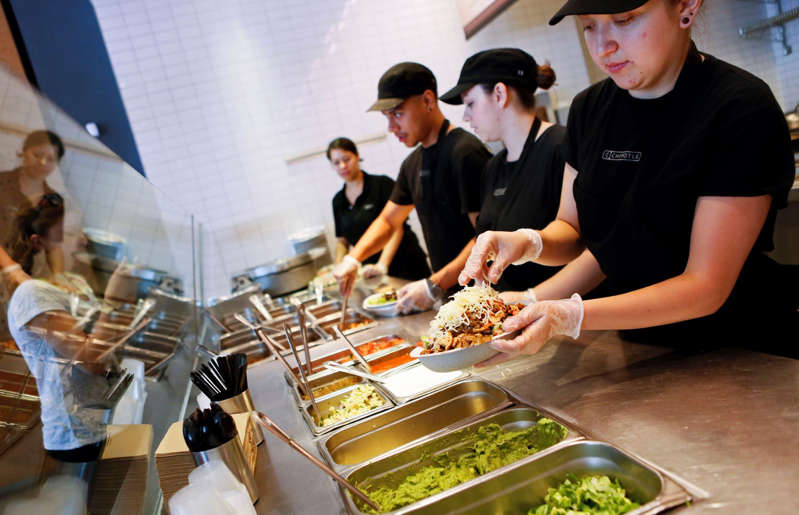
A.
x: 589, y: 495
x: 491, y: 448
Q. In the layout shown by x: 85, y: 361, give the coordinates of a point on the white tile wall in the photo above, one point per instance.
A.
x: 101, y: 190
x: 220, y: 94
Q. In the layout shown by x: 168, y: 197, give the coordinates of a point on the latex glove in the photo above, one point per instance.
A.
x: 503, y: 248
x: 346, y: 272
x: 373, y: 271
x: 541, y: 321
x: 525, y: 297
x: 415, y: 296
x: 14, y: 275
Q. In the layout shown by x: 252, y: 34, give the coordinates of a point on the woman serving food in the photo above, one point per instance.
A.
x: 677, y: 165
x: 358, y: 204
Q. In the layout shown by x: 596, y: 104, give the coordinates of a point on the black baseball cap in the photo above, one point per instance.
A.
x: 401, y: 81
x: 512, y: 66
x: 595, y: 7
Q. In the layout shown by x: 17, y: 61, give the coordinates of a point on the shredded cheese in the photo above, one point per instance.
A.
x: 452, y: 315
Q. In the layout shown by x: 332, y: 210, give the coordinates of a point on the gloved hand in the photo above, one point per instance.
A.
x: 541, y: 321
x: 503, y: 248
x: 373, y: 271
x: 415, y: 296
x: 526, y: 297
x: 346, y: 272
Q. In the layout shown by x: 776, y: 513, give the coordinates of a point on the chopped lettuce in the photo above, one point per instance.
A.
x: 589, y: 495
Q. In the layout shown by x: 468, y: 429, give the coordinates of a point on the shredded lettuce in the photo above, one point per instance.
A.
x: 589, y: 495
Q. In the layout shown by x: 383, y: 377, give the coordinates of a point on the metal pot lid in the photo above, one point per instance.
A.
x: 280, y: 265
x: 250, y: 290
x: 102, y: 236
x: 307, y: 234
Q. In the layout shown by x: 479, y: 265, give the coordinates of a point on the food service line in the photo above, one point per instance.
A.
x: 725, y: 420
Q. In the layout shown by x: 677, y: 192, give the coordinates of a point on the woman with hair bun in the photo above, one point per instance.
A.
x: 520, y: 185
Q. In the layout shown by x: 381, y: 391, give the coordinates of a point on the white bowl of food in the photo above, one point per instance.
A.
x: 460, y: 333
x: 455, y: 359
x: 383, y: 304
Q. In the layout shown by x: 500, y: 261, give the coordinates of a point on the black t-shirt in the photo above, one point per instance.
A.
x: 643, y: 164
x: 454, y: 179
x: 524, y: 193
x: 351, y: 222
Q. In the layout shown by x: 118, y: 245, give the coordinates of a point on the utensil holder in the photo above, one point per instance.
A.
x: 232, y: 455
x: 242, y: 403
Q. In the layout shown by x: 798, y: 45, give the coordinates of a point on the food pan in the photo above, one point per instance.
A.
x: 325, y: 384
x: 320, y: 311
x: 525, y: 483
x: 391, y: 361
x: 390, y: 469
x: 404, y: 424
x: 345, y: 356
x: 353, y: 320
x: 332, y: 401
x: 255, y: 350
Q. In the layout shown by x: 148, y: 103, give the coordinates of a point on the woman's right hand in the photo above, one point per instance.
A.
x: 503, y: 248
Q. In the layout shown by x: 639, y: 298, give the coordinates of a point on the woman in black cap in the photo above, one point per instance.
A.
x: 677, y: 165
x: 358, y: 204
x: 521, y: 184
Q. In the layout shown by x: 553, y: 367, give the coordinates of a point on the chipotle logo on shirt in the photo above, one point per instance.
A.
x: 621, y: 155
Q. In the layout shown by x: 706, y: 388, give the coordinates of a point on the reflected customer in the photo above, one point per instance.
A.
x: 70, y: 380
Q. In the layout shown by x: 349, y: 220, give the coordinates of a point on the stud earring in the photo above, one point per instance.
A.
x: 686, y: 20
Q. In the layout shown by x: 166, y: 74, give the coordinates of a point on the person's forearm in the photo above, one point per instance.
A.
x: 342, y: 247
x: 580, y: 276
x: 561, y: 244
x: 684, y: 297
x: 5, y: 259
x: 390, y: 250
x: 447, y: 277
x: 373, y: 240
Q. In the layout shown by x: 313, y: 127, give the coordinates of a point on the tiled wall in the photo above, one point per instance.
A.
x: 101, y: 191
x: 223, y: 96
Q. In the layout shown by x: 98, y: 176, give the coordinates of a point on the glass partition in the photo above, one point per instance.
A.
x: 99, y: 319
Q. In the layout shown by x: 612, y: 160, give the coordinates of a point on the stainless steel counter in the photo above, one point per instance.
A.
x: 727, y: 420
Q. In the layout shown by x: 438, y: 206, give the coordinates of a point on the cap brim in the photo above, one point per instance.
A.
x: 385, y: 104
x: 453, y: 96
x: 576, y: 7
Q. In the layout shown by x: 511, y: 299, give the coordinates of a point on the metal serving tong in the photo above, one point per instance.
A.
x: 308, y: 388
x: 273, y: 428
x: 332, y: 365
x: 358, y: 356
x: 301, y: 319
x: 260, y: 308
x: 272, y: 346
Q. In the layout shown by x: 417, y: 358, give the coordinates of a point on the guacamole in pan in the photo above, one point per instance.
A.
x: 491, y: 448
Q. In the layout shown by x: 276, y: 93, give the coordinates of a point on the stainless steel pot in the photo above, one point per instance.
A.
x: 284, y: 276
x: 135, y: 283
x: 104, y: 244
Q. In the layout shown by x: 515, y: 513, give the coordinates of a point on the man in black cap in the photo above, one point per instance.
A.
x: 440, y: 178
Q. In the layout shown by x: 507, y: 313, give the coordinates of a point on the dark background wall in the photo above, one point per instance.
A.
x: 64, y: 55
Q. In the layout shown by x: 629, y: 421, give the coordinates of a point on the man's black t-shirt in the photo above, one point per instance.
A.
x: 524, y: 193
x: 454, y: 179
x: 643, y: 163
x: 351, y: 222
